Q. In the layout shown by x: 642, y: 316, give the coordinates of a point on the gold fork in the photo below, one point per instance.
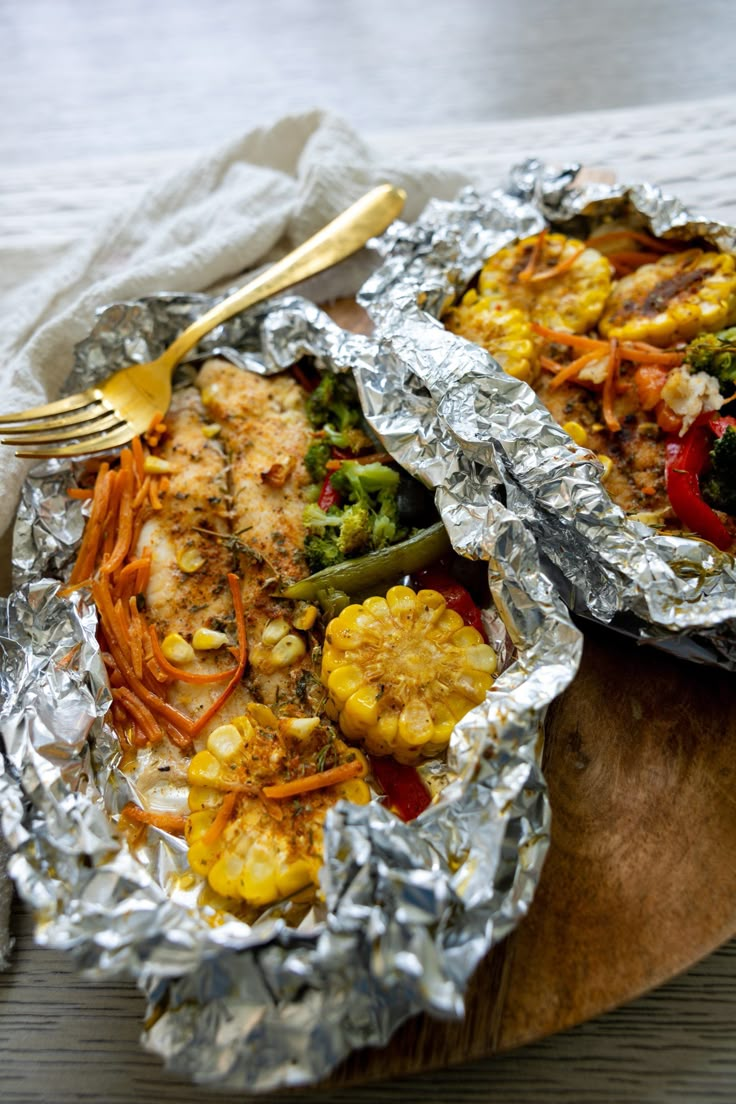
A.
x: 113, y: 412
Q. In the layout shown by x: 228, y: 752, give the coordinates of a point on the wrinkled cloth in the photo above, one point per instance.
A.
x: 231, y: 210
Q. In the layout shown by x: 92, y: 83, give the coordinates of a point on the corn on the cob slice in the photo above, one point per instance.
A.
x: 261, y: 851
x: 503, y: 331
x: 673, y: 299
x: 401, y: 670
x: 572, y: 300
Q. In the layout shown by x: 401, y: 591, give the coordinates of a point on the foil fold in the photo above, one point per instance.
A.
x: 677, y: 593
x: 407, y: 910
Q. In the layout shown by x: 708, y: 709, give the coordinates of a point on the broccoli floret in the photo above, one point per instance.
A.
x: 352, y: 438
x: 356, y: 531
x: 718, y: 486
x: 316, y: 459
x: 357, y: 482
x: 716, y: 354
x: 335, y: 403
x: 321, y: 552
x: 320, y: 520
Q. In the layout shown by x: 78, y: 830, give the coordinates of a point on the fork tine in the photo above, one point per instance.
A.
x: 74, y: 417
x: 72, y: 402
x: 70, y: 433
x: 101, y: 443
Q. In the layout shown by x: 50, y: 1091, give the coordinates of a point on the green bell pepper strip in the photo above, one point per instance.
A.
x: 368, y: 573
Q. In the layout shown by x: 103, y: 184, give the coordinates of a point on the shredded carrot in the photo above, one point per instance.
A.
x: 136, y: 637
x: 93, y: 531
x: 125, y: 523
x: 636, y: 351
x: 176, y: 672
x: 331, y: 777
x: 571, y: 370
x: 142, y: 493
x: 103, y: 601
x: 217, y: 827
x: 138, y: 460
x: 153, y: 494
x: 168, y: 822
x: 531, y: 266
x: 649, y: 491
x: 81, y: 492
x: 657, y: 246
x: 155, y: 671
x: 143, y: 717
x: 609, y: 388
x: 556, y: 270
x: 238, y: 673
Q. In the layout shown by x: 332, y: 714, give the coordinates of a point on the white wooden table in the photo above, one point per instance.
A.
x: 62, y: 1039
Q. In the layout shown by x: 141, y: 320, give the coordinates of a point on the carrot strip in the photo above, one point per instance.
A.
x: 318, y: 781
x: 103, y: 601
x: 156, y: 671
x: 609, y: 388
x: 571, y: 370
x: 167, y: 822
x: 643, y: 238
x: 144, y: 572
x: 176, y: 672
x: 531, y: 266
x: 575, y: 341
x: 138, y: 460
x: 93, y: 531
x: 556, y: 270
x: 125, y: 523
x: 136, y: 637
x: 143, y: 717
x: 238, y: 673
x: 637, y: 351
x: 218, y: 825
x: 142, y: 493
x: 153, y: 494
x: 81, y: 492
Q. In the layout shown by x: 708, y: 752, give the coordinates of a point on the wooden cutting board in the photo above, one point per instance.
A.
x: 640, y: 878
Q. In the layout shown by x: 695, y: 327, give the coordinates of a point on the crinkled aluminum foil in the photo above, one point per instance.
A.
x: 409, y: 910
x: 675, y: 592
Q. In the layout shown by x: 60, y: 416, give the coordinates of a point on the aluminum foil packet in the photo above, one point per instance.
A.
x: 406, y: 910
x: 677, y: 593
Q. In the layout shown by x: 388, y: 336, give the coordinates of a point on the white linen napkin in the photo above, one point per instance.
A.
x: 199, y: 227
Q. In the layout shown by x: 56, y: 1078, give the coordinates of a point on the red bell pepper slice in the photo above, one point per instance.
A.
x: 407, y: 795
x: 328, y: 496
x: 686, y: 459
x: 454, y: 593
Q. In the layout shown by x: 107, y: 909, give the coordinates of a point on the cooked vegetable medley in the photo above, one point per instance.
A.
x: 619, y: 336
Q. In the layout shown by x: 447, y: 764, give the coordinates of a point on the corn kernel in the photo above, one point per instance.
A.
x: 211, y: 429
x: 577, y: 432
x: 355, y: 791
x: 301, y: 728
x: 225, y: 742
x: 288, y: 650
x: 177, y: 649
x: 293, y: 877
x: 155, y: 465
x: 607, y: 463
x: 274, y: 631
x: 344, y: 681
x: 208, y: 640
x: 263, y: 715
x: 205, y: 769
x: 204, y: 797
x: 305, y: 618
x: 190, y: 560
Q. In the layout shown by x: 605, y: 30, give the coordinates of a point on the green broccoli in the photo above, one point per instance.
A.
x: 334, y: 402
x: 352, y: 438
x: 321, y: 552
x: 716, y: 354
x: 316, y: 458
x: 368, y: 520
x: 718, y: 486
x: 357, y: 482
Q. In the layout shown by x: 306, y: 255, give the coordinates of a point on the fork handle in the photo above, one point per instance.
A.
x: 345, y: 235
